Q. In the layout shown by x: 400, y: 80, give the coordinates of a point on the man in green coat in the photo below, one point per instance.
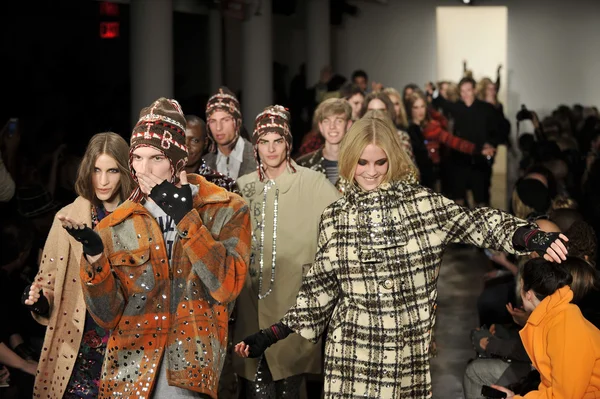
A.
x: 286, y: 202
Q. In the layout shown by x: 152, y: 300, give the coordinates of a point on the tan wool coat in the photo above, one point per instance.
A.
x: 302, y: 196
x: 59, y: 277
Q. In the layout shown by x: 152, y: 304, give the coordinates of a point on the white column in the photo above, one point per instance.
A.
x: 151, y: 52
x: 318, y: 39
x: 257, y: 62
x: 215, y: 48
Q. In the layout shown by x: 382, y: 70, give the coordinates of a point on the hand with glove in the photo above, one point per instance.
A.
x: 92, y: 243
x: 256, y: 344
x: 33, y: 298
x: 549, y: 245
x: 175, y: 201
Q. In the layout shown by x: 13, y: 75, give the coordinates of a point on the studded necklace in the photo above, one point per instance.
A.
x: 270, y: 184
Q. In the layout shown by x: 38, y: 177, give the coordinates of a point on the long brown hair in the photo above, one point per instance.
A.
x: 116, y: 147
x: 384, y: 98
x: 584, y: 277
x: 411, y: 100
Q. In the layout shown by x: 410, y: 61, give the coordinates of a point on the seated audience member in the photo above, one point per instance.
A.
x: 545, y: 176
x: 530, y: 196
x: 526, y: 143
x: 582, y: 241
x: 563, y: 346
x: 504, y: 360
x: 491, y: 304
x: 20, y: 342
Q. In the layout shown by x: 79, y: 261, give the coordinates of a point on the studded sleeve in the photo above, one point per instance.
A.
x: 220, y: 262
x: 482, y: 227
x: 319, y: 293
x: 53, y: 256
x: 102, y: 291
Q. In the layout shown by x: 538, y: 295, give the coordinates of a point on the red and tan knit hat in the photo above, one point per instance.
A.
x: 274, y: 119
x: 162, y: 126
x: 224, y: 100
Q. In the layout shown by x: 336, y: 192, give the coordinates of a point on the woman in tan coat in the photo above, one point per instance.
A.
x: 73, y: 340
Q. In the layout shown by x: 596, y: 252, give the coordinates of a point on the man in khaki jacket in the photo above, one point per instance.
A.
x: 286, y: 202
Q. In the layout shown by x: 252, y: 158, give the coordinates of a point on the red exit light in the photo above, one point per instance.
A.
x: 109, y: 9
x: 109, y: 30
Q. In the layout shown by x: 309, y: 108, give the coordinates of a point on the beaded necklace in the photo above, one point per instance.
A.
x: 99, y: 213
x: 268, y: 186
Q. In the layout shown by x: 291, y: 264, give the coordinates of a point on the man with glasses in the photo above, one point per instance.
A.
x: 229, y: 154
x: 334, y: 118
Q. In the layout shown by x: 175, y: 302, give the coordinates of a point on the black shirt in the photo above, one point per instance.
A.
x: 476, y: 123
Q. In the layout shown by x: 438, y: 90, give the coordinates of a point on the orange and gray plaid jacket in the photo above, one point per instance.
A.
x: 178, y: 309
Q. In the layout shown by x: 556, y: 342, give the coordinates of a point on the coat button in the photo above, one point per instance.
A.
x: 388, y: 284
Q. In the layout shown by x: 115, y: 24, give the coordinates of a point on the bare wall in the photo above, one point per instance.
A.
x: 553, y: 47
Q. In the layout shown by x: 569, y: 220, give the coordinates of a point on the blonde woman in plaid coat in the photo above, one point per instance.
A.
x: 373, y: 282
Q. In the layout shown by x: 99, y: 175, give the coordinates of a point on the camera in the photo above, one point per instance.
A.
x: 524, y: 114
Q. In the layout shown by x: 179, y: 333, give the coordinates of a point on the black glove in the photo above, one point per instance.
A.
x: 176, y: 202
x: 539, y: 241
x: 41, y: 307
x: 92, y: 243
x: 260, y: 341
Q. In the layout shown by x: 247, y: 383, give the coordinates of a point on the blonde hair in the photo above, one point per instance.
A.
x: 519, y: 208
x: 374, y: 128
x: 561, y: 202
x: 332, y: 106
x: 481, y: 88
x: 401, y: 118
x: 452, y: 92
x: 116, y: 147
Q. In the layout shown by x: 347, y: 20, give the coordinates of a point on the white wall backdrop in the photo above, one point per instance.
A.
x: 553, y: 47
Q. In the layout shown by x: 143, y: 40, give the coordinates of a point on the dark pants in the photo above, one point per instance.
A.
x: 491, y: 304
x: 476, y: 176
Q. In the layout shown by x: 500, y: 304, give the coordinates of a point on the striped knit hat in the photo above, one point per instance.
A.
x: 162, y: 126
x: 224, y: 100
x: 274, y: 119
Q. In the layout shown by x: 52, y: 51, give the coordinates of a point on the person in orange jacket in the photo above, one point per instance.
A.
x: 562, y: 345
x: 164, y: 269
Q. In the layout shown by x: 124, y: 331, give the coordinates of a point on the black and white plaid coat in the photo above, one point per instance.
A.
x: 374, y: 283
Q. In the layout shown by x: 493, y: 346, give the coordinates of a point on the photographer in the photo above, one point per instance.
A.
x: 525, y: 115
